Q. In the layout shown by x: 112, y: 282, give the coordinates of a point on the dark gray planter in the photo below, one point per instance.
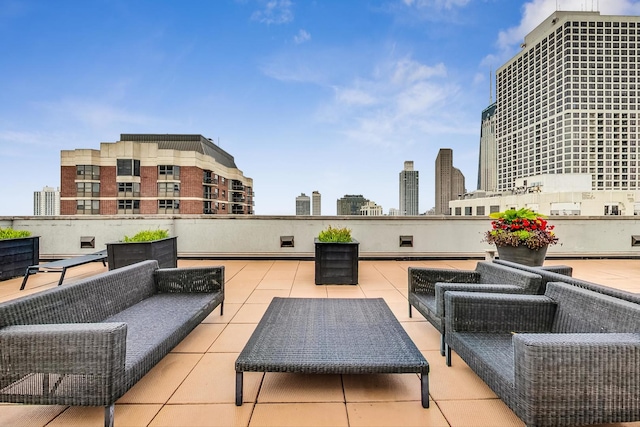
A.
x: 165, y: 251
x: 336, y: 263
x: 523, y: 255
x: 18, y: 254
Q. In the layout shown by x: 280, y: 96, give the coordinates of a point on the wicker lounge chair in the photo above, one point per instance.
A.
x: 566, y: 358
x: 428, y: 285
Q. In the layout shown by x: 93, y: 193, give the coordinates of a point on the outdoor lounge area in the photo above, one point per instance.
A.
x: 194, y: 385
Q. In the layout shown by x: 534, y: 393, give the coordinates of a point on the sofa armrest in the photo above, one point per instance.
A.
x: 192, y: 279
x: 87, y: 358
x: 488, y: 312
x: 441, y: 288
x: 423, y: 280
x: 578, y: 375
x: 565, y: 270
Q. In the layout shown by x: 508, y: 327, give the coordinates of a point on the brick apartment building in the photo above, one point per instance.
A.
x: 151, y: 174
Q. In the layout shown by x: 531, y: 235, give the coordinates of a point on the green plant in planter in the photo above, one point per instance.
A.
x: 335, y: 235
x: 10, y: 233
x: 147, y: 236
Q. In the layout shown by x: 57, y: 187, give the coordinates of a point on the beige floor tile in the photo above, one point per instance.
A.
x: 200, y: 339
x: 382, y: 387
x: 455, y: 382
x: 344, y: 291
x: 266, y: 295
x: 386, y: 414
x: 15, y: 415
x: 280, y: 387
x: 250, y: 313
x: 400, y: 309
x: 237, y: 294
x: 212, y: 415
x: 479, y: 413
x: 391, y: 295
x: 230, y: 310
x: 275, y: 284
x: 162, y: 380
x: 213, y: 380
x: 306, y: 291
x: 423, y: 334
x: 89, y: 416
x: 299, y: 415
x: 233, y: 338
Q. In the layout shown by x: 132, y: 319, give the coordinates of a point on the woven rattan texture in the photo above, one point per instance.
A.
x: 326, y: 335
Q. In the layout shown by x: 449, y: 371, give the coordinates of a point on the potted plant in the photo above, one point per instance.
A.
x: 521, y: 236
x: 146, y: 244
x: 18, y: 250
x: 336, y: 257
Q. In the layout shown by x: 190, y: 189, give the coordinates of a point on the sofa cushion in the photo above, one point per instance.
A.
x: 157, y: 324
x: 581, y: 310
x: 87, y: 301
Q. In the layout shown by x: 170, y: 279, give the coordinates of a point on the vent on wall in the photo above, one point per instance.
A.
x: 406, y: 241
x: 87, y: 242
x: 286, y: 241
x: 635, y: 240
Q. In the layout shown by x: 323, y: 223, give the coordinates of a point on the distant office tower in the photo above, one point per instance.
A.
x: 409, y: 190
x: 371, y: 209
x: 303, y: 205
x: 487, y: 162
x: 154, y: 174
x: 47, y: 201
x: 394, y: 212
x: 568, y: 102
x: 350, y: 204
x: 449, y: 181
x: 316, y: 203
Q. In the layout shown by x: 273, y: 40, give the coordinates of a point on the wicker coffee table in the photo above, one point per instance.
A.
x: 331, y: 336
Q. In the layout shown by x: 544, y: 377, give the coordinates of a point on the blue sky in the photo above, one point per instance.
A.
x: 327, y: 95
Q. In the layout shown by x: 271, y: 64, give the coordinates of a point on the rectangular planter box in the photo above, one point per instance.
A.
x: 336, y: 263
x: 165, y: 251
x: 18, y: 254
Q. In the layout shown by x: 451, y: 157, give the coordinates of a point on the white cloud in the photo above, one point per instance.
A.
x: 437, y: 4
x: 301, y: 37
x: 400, y: 100
x: 274, y: 12
x: 536, y: 11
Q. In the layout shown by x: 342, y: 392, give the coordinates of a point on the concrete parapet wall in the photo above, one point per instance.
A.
x: 260, y: 236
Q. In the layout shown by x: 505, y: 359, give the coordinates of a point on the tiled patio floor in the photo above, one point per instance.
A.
x: 194, y: 385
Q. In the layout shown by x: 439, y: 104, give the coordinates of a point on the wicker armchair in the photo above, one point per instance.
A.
x: 569, y: 357
x: 427, y: 287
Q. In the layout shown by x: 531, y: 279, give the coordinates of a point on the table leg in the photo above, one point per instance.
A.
x: 238, y: 388
x: 424, y: 388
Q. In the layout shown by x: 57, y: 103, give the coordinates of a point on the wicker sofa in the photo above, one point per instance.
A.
x: 428, y: 285
x: 87, y: 343
x: 566, y: 358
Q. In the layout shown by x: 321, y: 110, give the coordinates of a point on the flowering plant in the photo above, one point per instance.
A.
x: 520, y: 227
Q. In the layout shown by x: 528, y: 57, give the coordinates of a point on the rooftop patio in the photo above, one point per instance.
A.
x: 194, y: 385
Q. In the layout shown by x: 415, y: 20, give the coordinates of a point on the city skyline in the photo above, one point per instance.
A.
x: 328, y: 92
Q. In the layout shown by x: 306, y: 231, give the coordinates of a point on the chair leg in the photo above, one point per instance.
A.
x: 410, y: 312
x: 108, y: 415
x: 448, y: 354
x: 442, y: 345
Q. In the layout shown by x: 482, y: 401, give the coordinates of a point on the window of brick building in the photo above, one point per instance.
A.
x: 128, y: 167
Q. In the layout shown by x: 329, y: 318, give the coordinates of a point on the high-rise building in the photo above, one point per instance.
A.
x: 303, y: 205
x: 371, y: 209
x: 153, y: 174
x: 487, y: 160
x: 47, y: 201
x: 350, y: 204
x: 409, y: 190
x: 568, y: 102
x: 449, y: 181
x: 316, y: 203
